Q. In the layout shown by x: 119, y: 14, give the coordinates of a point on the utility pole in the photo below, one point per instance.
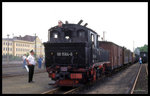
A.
x: 35, y: 45
x: 8, y: 50
x: 133, y: 46
x: 40, y: 50
x: 13, y: 35
x: 103, y: 35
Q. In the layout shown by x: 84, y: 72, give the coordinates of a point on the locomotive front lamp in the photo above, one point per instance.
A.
x: 52, y: 53
x: 76, y: 53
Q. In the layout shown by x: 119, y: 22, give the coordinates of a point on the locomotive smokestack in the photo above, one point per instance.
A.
x: 66, y: 22
x: 85, y: 24
x: 80, y: 22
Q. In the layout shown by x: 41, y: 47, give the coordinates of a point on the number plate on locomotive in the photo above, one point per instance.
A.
x: 63, y: 68
x: 64, y: 54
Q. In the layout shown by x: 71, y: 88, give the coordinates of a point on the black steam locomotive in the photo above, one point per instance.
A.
x: 144, y: 56
x: 73, y: 55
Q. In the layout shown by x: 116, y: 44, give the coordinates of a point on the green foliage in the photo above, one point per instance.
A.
x: 27, y: 54
x: 143, y: 48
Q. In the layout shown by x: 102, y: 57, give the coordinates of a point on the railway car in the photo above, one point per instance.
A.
x: 125, y: 56
x: 137, y: 58
x: 144, y: 56
x: 133, y: 57
x: 115, y: 54
x: 130, y: 57
x: 73, y: 56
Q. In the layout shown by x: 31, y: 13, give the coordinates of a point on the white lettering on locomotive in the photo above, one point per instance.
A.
x: 64, y: 54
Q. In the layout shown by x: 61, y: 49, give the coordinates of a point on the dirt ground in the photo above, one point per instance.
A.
x: 20, y: 85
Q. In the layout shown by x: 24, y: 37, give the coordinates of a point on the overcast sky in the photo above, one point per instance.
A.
x: 122, y: 22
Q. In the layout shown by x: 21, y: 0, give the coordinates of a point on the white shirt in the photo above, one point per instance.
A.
x: 31, y: 59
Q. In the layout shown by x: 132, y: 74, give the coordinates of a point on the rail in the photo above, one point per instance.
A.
x: 146, y: 65
x: 132, y: 90
x: 51, y: 91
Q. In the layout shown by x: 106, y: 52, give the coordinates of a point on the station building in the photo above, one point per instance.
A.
x: 22, y: 45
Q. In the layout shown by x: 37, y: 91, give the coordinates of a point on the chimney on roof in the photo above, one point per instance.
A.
x: 66, y: 22
x: 80, y: 22
x: 85, y: 24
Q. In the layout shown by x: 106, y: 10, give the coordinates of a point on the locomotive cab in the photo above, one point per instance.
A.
x: 74, y: 42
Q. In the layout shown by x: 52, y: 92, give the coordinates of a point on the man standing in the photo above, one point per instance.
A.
x: 31, y: 63
x: 24, y: 60
x: 140, y: 60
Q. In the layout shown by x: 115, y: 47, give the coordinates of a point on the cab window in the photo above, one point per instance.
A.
x: 54, y: 34
x: 81, y: 33
x: 93, y: 41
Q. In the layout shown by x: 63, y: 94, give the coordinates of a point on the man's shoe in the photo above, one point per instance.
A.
x: 32, y: 81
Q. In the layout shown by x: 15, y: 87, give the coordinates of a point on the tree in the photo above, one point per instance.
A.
x: 142, y: 48
x: 27, y: 54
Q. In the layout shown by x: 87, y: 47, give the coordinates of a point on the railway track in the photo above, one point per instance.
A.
x: 133, y: 87
x: 146, y: 66
x: 59, y: 90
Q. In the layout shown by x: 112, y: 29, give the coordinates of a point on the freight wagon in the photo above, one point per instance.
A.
x: 115, y: 54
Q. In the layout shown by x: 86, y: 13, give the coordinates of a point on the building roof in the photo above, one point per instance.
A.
x: 10, y: 39
x: 29, y: 38
x: 25, y: 38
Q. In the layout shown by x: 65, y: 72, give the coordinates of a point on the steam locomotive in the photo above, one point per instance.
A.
x: 74, y: 56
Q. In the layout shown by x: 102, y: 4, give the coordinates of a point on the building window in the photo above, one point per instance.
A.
x: 4, y: 48
x: 16, y: 49
x: 4, y: 43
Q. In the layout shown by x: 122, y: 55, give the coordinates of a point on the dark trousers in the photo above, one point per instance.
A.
x: 31, y: 72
